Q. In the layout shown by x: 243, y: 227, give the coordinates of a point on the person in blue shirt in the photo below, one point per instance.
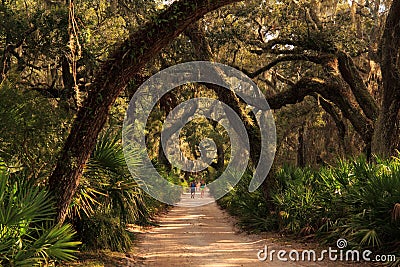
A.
x: 192, y: 189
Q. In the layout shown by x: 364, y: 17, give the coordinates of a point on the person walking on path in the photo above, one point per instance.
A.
x: 192, y: 189
x: 202, y: 188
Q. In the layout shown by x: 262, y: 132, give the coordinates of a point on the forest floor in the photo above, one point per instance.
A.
x: 207, y: 236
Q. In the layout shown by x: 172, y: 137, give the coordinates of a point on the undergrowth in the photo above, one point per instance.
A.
x: 355, y: 200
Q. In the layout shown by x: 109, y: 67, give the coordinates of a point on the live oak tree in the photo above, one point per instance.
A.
x: 341, y: 90
x: 312, y: 45
x: 113, y: 76
x: 388, y: 118
x: 330, y: 55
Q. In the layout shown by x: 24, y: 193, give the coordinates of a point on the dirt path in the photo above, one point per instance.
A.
x: 205, y: 236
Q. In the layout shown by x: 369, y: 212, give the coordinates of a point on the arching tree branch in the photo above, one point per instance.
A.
x: 336, y: 117
x: 331, y: 91
x: 350, y: 74
x: 115, y: 73
x: 320, y: 59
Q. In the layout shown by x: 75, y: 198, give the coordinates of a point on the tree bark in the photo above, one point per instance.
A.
x: 350, y: 74
x: 384, y: 135
x: 122, y: 65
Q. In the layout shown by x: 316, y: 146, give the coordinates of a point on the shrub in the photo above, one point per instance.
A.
x: 251, y: 209
x: 371, y: 205
x: 108, y: 198
x: 28, y: 236
x: 102, y: 231
x: 356, y: 200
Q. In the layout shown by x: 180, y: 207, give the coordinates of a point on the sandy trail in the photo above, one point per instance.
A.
x: 205, y: 236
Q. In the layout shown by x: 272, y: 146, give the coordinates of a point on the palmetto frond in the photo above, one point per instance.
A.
x: 27, y: 234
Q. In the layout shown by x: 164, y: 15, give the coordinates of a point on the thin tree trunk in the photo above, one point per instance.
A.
x: 337, y: 118
x: 301, y: 161
x: 67, y: 78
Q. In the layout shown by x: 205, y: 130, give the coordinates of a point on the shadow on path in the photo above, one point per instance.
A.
x: 205, y: 236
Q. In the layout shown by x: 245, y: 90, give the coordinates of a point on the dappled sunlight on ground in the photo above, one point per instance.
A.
x: 205, y: 236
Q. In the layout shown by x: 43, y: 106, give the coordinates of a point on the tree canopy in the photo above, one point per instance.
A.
x: 330, y: 71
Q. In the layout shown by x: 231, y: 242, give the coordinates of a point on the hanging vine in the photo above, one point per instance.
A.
x: 75, y: 52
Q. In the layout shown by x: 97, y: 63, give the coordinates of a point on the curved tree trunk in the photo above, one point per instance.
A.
x: 122, y: 65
